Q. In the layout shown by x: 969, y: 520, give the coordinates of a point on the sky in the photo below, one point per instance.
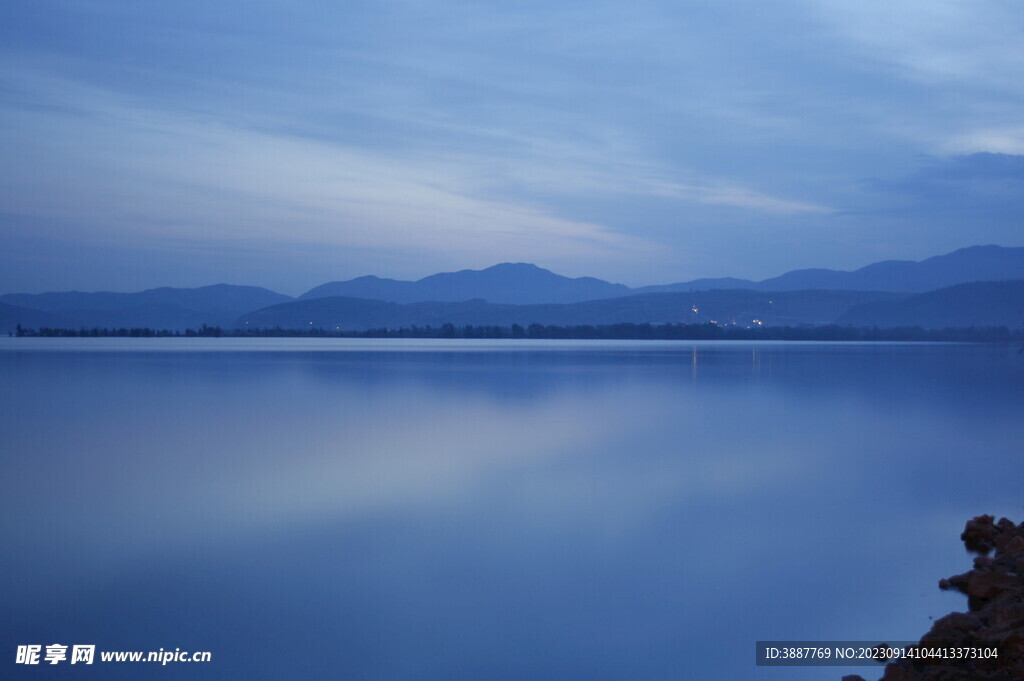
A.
x: 290, y: 144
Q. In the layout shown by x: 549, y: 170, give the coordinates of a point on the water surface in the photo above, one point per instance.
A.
x: 495, y: 510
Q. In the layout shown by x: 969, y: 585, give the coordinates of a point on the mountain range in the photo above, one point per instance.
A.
x: 740, y: 307
x: 935, y: 292
x: 976, y: 263
x: 158, y: 308
x: 524, y: 284
x: 507, y: 283
x: 980, y: 303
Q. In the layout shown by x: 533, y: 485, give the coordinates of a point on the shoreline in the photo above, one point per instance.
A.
x: 624, y: 331
x: 994, y: 618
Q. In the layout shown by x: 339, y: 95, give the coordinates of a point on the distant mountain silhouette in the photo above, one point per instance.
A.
x: 986, y: 303
x: 12, y: 315
x: 524, y: 284
x: 741, y: 307
x: 700, y: 285
x: 163, y: 308
x: 510, y: 283
x: 976, y: 263
x: 489, y: 297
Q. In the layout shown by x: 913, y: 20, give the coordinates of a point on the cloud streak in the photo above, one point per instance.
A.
x: 143, y: 171
x: 643, y: 143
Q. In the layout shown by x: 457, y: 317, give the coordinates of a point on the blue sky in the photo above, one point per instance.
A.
x: 286, y: 145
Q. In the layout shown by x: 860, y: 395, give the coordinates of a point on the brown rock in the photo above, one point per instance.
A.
x: 995, y: 597
x: 988, y: 585
x: 1015, y: 545
x: 978, y: 535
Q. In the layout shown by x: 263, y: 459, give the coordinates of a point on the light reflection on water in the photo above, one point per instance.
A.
x: 440, y: 510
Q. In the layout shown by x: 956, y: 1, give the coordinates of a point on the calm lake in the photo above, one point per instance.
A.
x: 493, y: 510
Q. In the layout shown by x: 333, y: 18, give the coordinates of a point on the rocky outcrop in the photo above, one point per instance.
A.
x: 995, y: 617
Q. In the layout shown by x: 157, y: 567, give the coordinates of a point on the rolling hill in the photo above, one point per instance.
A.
x: 518, y: 293
x: 509, y: 283
x: 741, y: 307
x: 987, y: 303
x: 159, y: 308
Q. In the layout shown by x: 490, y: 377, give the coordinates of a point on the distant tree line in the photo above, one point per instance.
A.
x: 135, y: 332
x: 625, y: 331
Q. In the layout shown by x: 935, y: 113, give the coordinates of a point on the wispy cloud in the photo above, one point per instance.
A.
x: 1005, y: 140
x: 937, y: 41
x: 592, y: 137
x: 737, y: 197
x: 142, y: 171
